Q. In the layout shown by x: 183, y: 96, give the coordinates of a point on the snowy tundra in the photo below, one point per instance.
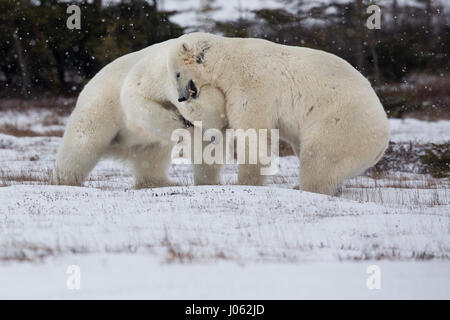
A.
x: 217, y: 241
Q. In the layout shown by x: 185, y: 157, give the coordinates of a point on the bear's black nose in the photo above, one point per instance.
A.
x: 181, y: 99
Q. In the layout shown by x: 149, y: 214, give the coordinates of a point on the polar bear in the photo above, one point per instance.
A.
x: 320, y: 104
x: 127, y: 111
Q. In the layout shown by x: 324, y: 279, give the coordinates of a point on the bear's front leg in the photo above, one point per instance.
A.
x: 149, y: 118
x: 209, y: 174
x: 252, y: 156
x: 150, y: 164
x: 74, y: 162
x: 252, y: 124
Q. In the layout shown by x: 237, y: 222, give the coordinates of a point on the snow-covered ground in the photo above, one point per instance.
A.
x: 223, y: 241
x: 135, y: 276
x: 405, y: 130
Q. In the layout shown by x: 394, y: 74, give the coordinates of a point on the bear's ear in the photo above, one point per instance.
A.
x: 185, y: 48
x: 186, y: 53
x: 202, y: 48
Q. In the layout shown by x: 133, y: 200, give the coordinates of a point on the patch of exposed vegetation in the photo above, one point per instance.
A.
x: 8, y: 178
x: 420, y: 95
x: 396, y: 104
x: 26, y: 132
x: 402, y: 157
x: 436, y: 160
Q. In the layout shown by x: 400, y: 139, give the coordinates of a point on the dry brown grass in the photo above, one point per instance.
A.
x: 8, y: 178
x: 60, y: 105
x: 25, y: 132
x: 421, y: 96
x: 52, y: 120
x: 393, y: 254
x: 435, y: 90
x: 386, y: 180
x: 176, y: 254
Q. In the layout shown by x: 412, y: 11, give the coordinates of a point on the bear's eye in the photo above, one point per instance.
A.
x: 177, y: 75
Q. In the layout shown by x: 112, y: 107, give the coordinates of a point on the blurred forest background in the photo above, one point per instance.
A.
x: 407, y: 60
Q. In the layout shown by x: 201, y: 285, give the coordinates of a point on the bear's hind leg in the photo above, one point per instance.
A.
x: 339, y: 148
x: 150, y: 165
x: 84, y: 143
x: 74, y: 164
x: 321, y: 173
x: 324, y: 184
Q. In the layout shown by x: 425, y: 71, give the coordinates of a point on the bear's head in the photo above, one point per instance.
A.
x: 187, y: 64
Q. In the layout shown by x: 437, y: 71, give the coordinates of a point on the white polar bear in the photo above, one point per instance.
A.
x: 127, y: 111
x: 323, y: 106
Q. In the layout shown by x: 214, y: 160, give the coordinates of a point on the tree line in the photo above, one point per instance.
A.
x: 40, y: 54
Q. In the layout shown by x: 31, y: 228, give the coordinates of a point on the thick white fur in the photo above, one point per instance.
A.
x: 323, y: 106
x: 127, y: 111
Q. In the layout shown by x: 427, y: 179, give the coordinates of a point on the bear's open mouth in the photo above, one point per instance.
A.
x: 190, y: 91
x: 193, y: 91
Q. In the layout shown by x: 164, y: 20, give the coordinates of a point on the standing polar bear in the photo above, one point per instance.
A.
x: 323, y: 106
x: 128, y: 111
